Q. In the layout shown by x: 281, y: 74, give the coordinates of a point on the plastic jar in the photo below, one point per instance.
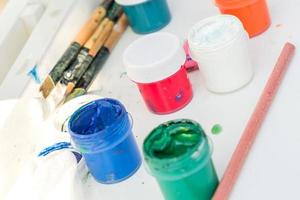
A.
x: 220, y: 45
x: 178, y: 155
x: 254, y: 14
x: 146, y: 16
x: 154, y: 62
x: 101, y: 131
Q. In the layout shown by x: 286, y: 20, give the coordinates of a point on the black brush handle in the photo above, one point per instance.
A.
x: 78, y: 67
x: 63, y: 63
x: 94, y: 69
x: 88, y: 77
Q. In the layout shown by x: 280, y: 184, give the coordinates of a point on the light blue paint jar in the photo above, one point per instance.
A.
x: 101, y: 131
x: 146, y: 16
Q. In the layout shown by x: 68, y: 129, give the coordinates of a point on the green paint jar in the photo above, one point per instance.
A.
x: 178, y: 154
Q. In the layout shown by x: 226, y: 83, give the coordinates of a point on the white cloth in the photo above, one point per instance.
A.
x: 55, y: 176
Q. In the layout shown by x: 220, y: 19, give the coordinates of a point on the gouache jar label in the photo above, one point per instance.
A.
x: 168, y: 95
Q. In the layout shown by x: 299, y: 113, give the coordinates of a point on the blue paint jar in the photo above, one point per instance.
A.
x: 101, y: 131
x: 146, y: 16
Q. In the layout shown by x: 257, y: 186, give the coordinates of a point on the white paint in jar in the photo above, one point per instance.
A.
x: 220, y: 45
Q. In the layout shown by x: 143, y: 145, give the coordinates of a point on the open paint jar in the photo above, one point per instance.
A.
x: 101, y: 131
x: 178, y: 155
x: 254, y: 14
x: 220, y: 45
x: 146, y: 16
x: 154, y: 62
x: 63, y: 114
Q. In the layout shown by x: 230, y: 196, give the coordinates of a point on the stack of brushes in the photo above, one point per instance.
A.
x: 76, y: 69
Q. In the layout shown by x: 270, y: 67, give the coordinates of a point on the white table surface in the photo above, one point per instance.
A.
x: 231, y: 111
x: 272, y: 168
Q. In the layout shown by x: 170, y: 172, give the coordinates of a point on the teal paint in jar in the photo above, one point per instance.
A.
x: 178, y: 154
x: 146, y: 16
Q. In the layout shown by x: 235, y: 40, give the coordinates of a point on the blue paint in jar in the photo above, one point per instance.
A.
x: 101, y: 131
x: 146, y: 16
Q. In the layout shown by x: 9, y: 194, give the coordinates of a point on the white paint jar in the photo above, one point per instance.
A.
x: 220, y: 45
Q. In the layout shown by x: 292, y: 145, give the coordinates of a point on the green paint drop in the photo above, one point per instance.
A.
x: 216, y: 129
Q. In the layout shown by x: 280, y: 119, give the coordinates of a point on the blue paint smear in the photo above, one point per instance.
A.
x: 55, y: 147
x: 34, y: 75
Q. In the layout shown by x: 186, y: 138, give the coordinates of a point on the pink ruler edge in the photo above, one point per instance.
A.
x: 252, y: 129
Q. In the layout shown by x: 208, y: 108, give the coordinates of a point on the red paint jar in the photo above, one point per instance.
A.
x: 168, y: 95
x: 154, y: 62
x: 254, y: 14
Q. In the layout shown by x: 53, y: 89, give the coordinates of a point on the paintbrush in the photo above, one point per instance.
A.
x: 87, y: 54
x: 70, y: 54
x: 100, y: 59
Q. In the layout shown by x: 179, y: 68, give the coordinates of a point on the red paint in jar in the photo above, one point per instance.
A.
x: 162, y: 80
x: 168, y: 95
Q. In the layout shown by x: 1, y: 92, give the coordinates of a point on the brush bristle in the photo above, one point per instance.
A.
x: 47, y: 86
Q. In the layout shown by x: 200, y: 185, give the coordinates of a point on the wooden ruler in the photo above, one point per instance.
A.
x: 251, y: 131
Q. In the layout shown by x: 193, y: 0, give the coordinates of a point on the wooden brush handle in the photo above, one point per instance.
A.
x: 118, y: 29
x: 113, y: 15
x: 89, y: 27
x: 103, y: 54
x: 93, y: 39
x: 101, y: 39
x: 99, y: 60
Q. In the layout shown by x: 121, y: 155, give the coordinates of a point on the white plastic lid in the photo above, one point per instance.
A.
x: 214, y: 32
x: 153, y: 57
x: 130, y: 2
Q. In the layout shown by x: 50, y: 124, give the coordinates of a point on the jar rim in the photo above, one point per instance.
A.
x: 86, y: 107
x: 110, y: 135
x: 231, y: 4
x: 131, y: 2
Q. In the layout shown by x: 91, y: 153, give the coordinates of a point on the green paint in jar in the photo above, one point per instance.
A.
x: 178, y: 155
